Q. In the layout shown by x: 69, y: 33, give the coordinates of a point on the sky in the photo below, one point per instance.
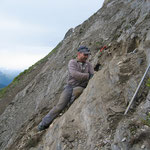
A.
x: 30, y: 29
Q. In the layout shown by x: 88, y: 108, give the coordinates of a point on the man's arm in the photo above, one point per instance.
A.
x: 72, y: 66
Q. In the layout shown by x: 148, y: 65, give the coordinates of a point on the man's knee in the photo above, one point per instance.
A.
x: 77, y: 91
x: 57, y: 109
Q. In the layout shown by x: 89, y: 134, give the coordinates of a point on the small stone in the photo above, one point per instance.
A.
x: 70, y: 146
x: 125, y: 134
x: 146, y: 126
x: 65, y: 146
x: 60, y: 114
x: 143, y: 146
x: 62, y: 139
x: 123, y: 140
x: 119, y: 63
x: 80, y: 141
x: 71, y: 139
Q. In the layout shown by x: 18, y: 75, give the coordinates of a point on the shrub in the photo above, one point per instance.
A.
x: 148, y: 82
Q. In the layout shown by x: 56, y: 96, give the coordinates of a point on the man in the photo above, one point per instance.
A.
x: 80, y: 71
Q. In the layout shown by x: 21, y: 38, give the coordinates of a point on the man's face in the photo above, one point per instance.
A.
x: 82, y: 57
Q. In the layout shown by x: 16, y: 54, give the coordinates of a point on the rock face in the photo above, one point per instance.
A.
x: 95, y: 121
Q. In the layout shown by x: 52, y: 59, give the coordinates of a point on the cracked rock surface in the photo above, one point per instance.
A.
x: 95, y: 121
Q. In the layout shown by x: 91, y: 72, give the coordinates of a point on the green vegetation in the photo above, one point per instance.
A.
x: 148, y: 82
x: 3, y: 91
x: 127, y: 27
x: 16, y: 80
x: 147, y: 120
x: 133, y: 128
x: 98, y: 44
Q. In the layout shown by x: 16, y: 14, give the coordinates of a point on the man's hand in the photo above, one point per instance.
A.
x: 90, y: 76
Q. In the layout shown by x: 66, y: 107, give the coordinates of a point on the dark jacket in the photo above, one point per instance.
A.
x: 79, y: 73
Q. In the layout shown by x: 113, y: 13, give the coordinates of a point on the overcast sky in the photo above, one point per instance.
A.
x: 29, y: 29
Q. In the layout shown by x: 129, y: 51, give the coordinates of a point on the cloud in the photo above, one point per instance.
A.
x: 38, y: 22
x: 8, y: 23
x: 13, y: 32
x: 29, y: 28
x: 20, y: 61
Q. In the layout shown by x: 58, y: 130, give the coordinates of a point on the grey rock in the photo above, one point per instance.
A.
x: 95, y: 120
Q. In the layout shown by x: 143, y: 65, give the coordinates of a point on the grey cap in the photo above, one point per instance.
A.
x: 84, y: 49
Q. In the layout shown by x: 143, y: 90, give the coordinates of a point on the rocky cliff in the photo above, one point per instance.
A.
x: 96, y: 120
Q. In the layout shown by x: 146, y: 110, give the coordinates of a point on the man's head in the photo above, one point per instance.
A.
x: 83, y: 53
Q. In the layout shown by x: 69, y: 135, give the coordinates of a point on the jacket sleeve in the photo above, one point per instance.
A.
x: 72, y: 66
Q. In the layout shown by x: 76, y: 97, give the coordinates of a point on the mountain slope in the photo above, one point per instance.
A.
x: 95, y: 120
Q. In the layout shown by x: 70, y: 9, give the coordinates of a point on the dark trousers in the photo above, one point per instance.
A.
x: 68, y: 96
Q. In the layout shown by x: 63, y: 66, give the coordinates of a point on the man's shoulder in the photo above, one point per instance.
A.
x: 73, y: 61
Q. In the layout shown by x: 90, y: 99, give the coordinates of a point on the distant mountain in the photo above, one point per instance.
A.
x: 7, y: 76
x: 4, y: 79
x: 10, y: 73
x: 2, y: 86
